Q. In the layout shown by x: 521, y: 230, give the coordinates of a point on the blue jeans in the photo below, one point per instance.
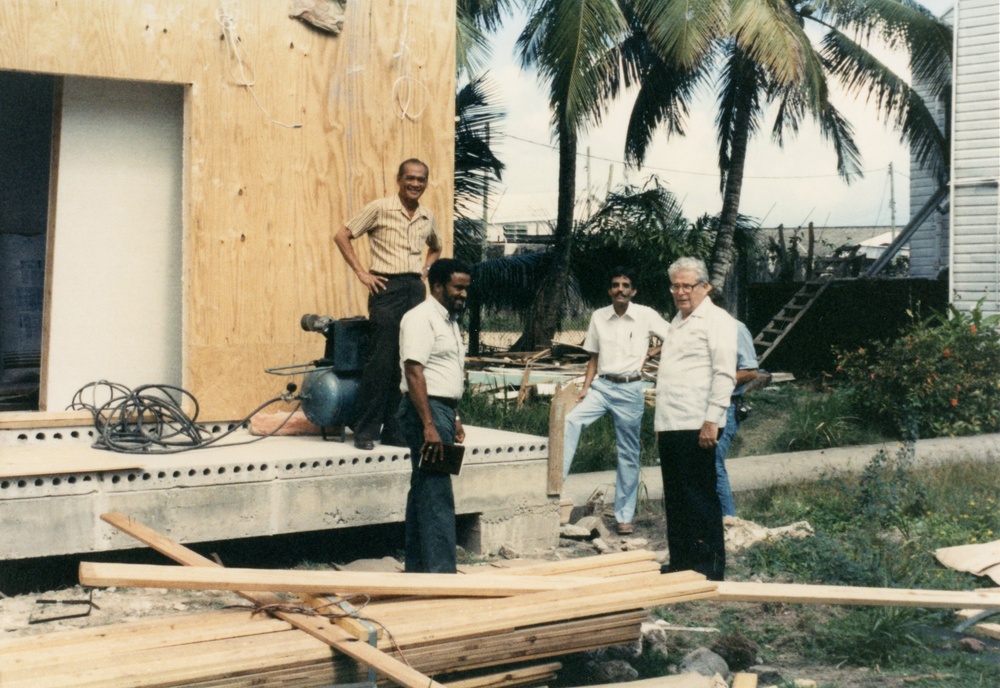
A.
x: 430, y: 503
x: 721, y: 449
x: 625, y: 403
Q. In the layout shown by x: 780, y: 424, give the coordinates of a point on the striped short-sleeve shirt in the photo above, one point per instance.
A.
x: 397, y: 241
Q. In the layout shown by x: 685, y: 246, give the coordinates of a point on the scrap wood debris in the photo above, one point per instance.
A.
x: 982, y: 559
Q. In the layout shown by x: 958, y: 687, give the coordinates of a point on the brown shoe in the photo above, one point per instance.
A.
x: 625, y: 529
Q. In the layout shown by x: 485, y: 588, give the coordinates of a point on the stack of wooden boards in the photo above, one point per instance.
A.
x: 502, y: 617
x: 415, y: 626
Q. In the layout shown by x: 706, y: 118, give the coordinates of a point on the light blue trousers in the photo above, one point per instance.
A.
x: 625, y: 403
x: 721, y: 449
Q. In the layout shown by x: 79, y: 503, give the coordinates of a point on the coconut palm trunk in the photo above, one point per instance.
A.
x: 545, y: 310
x: 723, y: 254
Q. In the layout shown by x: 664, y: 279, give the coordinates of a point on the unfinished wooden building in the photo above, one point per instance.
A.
x: 180, y: 169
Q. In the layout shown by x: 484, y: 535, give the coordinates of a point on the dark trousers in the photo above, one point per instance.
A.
x: 378, y: 394
x: 430, y: 504
x: 695, y: 535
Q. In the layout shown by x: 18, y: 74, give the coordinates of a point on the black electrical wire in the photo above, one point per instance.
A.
x: 150, y: 419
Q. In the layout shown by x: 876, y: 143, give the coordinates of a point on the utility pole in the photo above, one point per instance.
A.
x: 486, y: 203
x: 588, y: 182
x: 892, y: 204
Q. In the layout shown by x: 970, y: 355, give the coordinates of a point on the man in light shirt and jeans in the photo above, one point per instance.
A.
x: 618, y: 343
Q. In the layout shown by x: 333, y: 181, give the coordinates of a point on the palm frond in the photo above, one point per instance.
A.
x: 472, y: 47
x: 684, y: 32
x: 565, y: 41
x: 770, y: 34
x: 477, y: 167
x: 474, y: 20
x: 840, y: 133
x: 488, y: 15
x: 901, y: 24
x: 895, y: 101
x: 812, y: 96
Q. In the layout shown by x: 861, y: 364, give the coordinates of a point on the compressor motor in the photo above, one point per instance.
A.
x: 331, y: 383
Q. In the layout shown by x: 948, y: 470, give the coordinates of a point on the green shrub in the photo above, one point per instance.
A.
x: 940, y: 377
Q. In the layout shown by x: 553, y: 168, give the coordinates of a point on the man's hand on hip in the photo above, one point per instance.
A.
x: 374, y: 283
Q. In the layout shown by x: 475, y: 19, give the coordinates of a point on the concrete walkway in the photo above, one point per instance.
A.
x: 756, y: 472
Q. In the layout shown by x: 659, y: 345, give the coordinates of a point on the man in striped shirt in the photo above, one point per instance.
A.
x: 398, y: 229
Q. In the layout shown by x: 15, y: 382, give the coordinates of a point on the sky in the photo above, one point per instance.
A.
x: 793, y: 185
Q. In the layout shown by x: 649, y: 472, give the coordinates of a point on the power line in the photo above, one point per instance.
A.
x: 676, y: 171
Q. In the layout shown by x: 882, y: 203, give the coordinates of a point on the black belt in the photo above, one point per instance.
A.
x: 397, y: 275
x: 621, y: 378
x: 447, y: 401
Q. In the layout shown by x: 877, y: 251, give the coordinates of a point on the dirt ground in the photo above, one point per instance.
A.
x: 781, y: 625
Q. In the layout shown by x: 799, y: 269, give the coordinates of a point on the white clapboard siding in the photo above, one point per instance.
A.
x: 975, y: 249
x: 929, y: 244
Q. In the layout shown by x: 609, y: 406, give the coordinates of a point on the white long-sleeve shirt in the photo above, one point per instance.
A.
x: 697, y: 370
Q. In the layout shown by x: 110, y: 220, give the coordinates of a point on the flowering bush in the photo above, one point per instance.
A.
x: 940, y: 377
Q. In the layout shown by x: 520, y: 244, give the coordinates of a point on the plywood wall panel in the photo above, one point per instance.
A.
x: 263, y: 201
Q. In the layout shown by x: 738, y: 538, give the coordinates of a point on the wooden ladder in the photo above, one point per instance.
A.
x: 825, y: 270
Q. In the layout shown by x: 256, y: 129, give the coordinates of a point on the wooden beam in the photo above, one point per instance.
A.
x: 285, y: 580
x: 35, y: 420
x: 532, y: 675
x: 789, y: 593
x: 318, y: 627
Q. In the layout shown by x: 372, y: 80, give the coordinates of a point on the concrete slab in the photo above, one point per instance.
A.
x: 274, y: 486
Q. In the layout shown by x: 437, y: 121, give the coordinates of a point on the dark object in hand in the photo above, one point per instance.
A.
x: 742, y: 411
x: 450, y: 461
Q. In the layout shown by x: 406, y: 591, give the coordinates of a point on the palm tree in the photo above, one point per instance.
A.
x: 769, y: 58
x: 477, y: 167
x: 565, y: 41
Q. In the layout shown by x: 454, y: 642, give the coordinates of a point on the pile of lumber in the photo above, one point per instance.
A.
x: 419, y: 625
x: 413, y: 627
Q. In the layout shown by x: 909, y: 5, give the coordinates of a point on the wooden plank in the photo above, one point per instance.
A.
x: 514, y: 677
x: 99, y: 574
x: 183, y: 555
x: 404, y: 613
x: 74, y: 647
x: 744, y: 680
x: 538, y: 608
x: 161, y: 666
x: 330, y: 634
x: 21, y: 420
x: 593, y: 566
x: 729, y: 591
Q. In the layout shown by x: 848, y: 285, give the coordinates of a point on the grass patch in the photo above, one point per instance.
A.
x: 801, y: 416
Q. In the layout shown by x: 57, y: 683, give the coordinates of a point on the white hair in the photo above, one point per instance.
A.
x: 695, y: 265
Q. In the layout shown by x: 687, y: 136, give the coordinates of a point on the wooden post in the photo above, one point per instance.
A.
x: 563, y: 402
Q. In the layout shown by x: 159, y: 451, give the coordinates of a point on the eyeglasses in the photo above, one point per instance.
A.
x: 683, y: 288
